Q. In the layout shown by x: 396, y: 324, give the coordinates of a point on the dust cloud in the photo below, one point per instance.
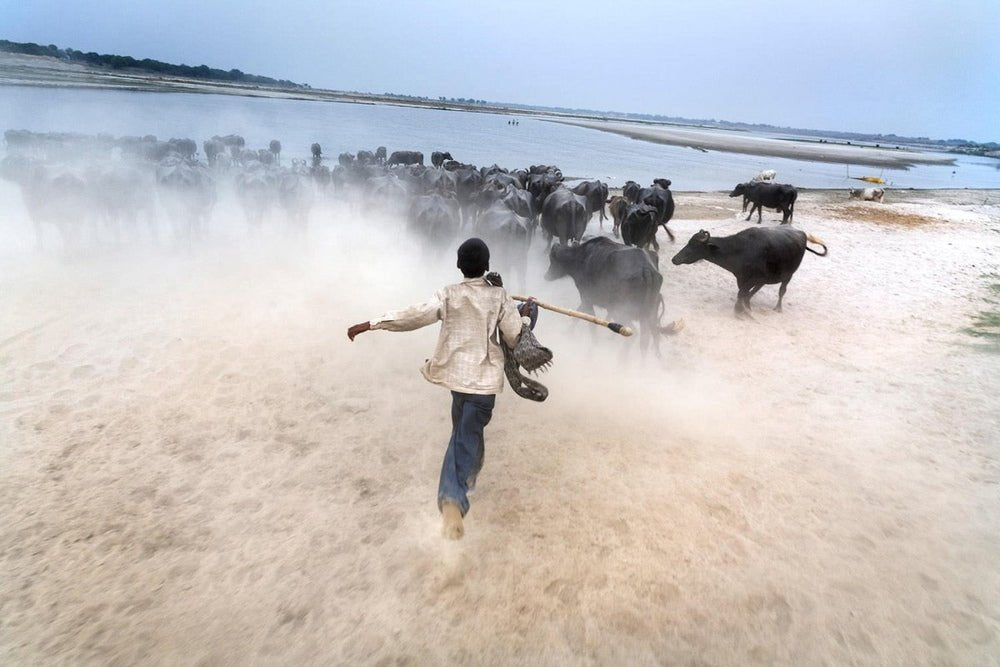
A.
x: 198, y: 467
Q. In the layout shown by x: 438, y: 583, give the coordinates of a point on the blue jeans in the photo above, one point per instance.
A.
x: 470, y: 413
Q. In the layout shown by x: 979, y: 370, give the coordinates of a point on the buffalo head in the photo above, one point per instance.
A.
x: 560, y: 258
x: 740, y: 189
x: 697, y: 248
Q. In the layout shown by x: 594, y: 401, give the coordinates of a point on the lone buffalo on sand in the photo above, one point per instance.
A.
x: 757, y: 256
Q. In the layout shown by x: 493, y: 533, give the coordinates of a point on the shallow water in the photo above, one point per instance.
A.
x: 470, y: 137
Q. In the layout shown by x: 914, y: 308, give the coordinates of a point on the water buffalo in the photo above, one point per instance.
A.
x: 660, y: 198
x: 213, y: 149
x: 256, y: 191
x: 380, y: 155
x: 596, y: 193
x: 757, y: 256
x: 405, y: 157
x: 187, y: 192
x: 434, y: 218
x: 564, y: 215
x: 468, y: 181
x: 275, y: 148
x: 296, y: 194
x: 616, y: 277
x: 617, y: 206
x: 639, y: 226
x: 631, y: 191
x: 771, y: 195
x: 508, y: 234
x: 438, y: 158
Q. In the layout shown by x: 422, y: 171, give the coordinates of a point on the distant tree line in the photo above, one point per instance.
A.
x: 145, y: 65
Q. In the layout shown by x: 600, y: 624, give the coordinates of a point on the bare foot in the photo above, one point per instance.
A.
x: 452, y: 528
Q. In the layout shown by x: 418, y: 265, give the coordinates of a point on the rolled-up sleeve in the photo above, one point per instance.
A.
x: 510, y: 322
x: 411, y: 318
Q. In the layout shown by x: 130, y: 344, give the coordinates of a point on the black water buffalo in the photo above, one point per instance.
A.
x: 757, y: 256
x: 317, y: 151
x: 380, y: 155
x: 639, y: 226
x: 596, y: 194
x: 435, y: 218
x: 366, y: 157
x: 564, y: 216
x: 616, y: 277
x: 439, y: 180
x: 660, y: 198
x: 438, y: 158
x: 540, y: 185
x: 405, y: 157
x: 631, y: 191
x: 468, y: 180
x: 771, y: 195
x: 508, y: 235
x: 213, y: 149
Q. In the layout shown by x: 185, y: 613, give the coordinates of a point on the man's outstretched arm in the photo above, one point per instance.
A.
x: 407, y: 319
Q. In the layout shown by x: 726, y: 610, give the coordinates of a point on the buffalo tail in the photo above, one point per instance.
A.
x: 812, y: 239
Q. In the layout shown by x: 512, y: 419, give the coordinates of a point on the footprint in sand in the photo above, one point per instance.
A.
x: 771, y: 609
x: 565, y: 591
x: 127, y: 364
x: 81, y: 372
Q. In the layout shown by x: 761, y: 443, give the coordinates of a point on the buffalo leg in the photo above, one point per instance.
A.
x: 739, y: 307
x: 742, y: 307
x: 754, y: 207
x: 670, y: 234
x: 753, y: 290
x: 781, y: 294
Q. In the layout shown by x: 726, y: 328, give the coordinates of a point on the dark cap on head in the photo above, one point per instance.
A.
x: 473, y: 258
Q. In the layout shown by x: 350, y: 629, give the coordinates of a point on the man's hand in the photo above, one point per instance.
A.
x: 358, y: 329
x: 529, y: 309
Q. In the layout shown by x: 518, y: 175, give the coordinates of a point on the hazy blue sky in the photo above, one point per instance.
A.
x: 907, y: 66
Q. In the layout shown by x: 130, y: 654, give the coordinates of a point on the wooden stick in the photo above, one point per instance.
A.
x: 614, y: 326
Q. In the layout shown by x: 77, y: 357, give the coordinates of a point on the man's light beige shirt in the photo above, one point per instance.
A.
x: 468, y: 357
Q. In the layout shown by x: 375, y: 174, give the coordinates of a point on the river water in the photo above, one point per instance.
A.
x: 479, y: 138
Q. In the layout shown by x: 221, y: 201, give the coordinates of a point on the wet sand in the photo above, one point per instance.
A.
x: 197, y: 467
x: 733, y: 142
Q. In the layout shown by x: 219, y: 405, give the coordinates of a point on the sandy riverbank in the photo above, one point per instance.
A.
x: 198, y: 467
x: 734, y: 142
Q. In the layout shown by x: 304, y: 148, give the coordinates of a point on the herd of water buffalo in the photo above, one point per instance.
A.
x: 110, y: 187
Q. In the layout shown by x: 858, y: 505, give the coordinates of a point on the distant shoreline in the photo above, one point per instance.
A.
x: 41, y: 71
x: 723, y: 140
